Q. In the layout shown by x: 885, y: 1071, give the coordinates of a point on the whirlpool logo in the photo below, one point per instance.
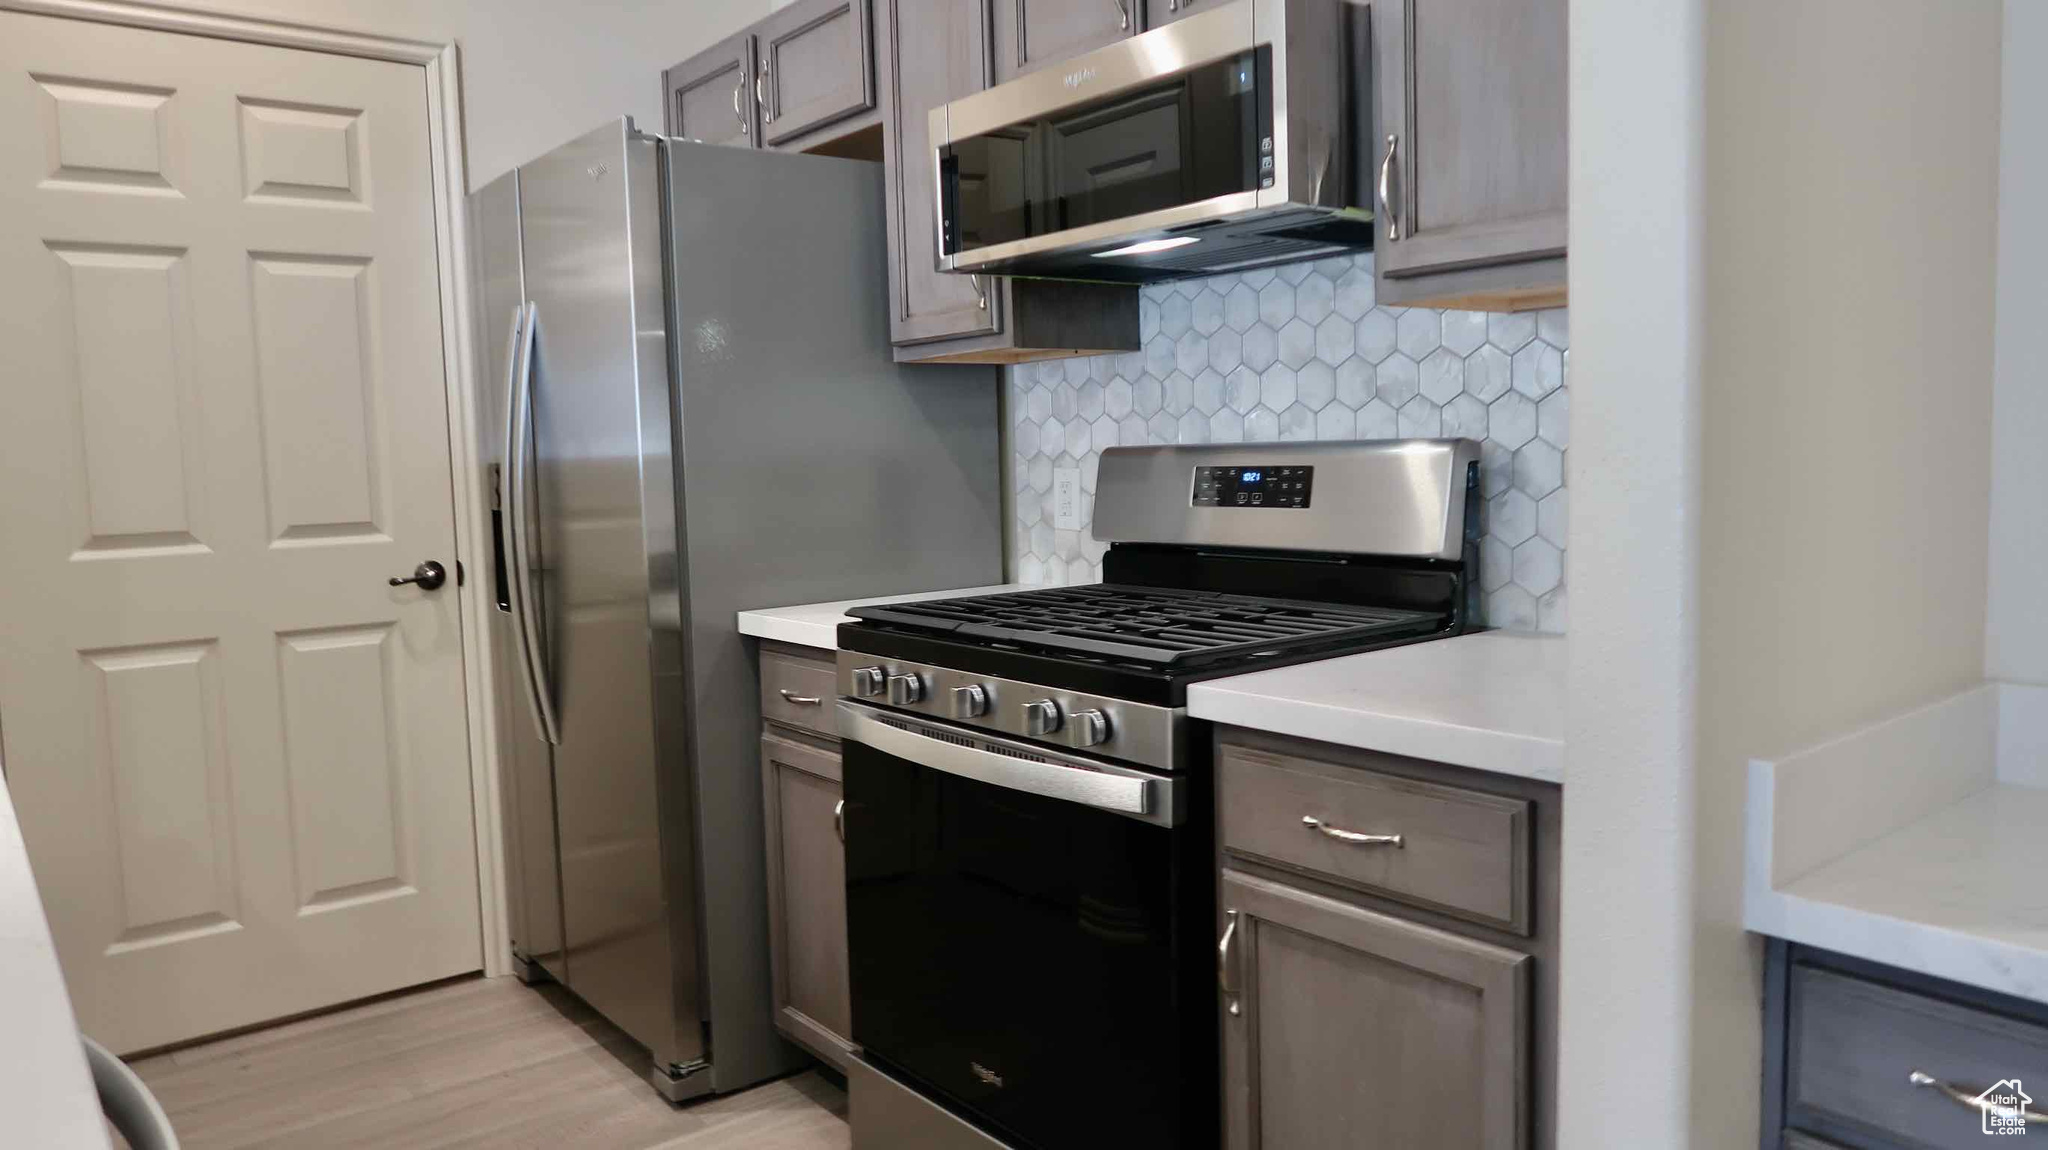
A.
x: 1079, y: 77
x: 987, y: 1076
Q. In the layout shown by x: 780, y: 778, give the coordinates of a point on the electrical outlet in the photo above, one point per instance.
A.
x: 1066, y: 498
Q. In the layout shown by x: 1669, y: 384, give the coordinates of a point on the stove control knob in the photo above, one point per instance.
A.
x: 905, y: 689
x: 1041, y: 717
x: 867, y: 682
x: 1091, y: 728
x: 969, y: 702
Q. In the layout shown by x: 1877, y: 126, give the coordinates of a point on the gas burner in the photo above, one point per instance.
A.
x: 1169, y: 628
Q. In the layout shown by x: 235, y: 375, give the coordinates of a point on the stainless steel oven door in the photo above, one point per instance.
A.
x: 1029, y: 934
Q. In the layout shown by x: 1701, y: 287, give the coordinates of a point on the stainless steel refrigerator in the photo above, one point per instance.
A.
x: 691, y: 410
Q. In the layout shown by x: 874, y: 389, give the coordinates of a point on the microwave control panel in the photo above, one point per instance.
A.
x: 1251, y: 485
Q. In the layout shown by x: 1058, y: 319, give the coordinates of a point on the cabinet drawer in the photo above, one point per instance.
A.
x: 1853, y: 1043
x: 798, y: 691
x: 1463, y: 852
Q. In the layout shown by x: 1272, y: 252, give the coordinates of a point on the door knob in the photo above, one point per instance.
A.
x: 429, y: 575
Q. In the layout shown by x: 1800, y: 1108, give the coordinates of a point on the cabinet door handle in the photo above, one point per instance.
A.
x: 980, y: 293
x: 1387, y: 189
x: 1353, y: 837
x: 839, y: 819
x: 798, y: 700
x: 761, y: 95
x: 736, y: 113
x: 1226, y: 965
x: 1123, y: 15
x: 1974, y: 1100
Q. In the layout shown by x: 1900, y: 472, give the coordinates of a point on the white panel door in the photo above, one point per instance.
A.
x: 239, y: 756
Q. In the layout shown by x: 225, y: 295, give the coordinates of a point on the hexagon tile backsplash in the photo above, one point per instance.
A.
x: 1302, y: 352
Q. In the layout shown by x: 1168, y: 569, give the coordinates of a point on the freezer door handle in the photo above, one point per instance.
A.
x: 518, y: 440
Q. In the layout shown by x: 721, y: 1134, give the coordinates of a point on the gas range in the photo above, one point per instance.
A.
x: 1105, y: 667
x: 1026, y: 796
x: 1102, y: 667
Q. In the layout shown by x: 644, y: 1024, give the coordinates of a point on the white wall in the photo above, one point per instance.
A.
x: 1780, y: 474
x: 535, y: 72
x: 1852, y: 153
x: 2016, y: 644
x: 1637, y: 273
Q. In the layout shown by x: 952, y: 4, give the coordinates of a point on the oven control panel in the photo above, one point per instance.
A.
x: 1141, y: 734
x: 1253, y: 485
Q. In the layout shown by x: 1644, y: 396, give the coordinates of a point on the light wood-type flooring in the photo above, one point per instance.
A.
x: 473, y: 1063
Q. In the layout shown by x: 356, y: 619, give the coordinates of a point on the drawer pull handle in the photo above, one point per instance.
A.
x: 1961, y: 1096
x: 1226, y: 968
x: 1353, y: 837
x: 799, y: 700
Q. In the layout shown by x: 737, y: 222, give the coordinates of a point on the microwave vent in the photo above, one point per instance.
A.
x: 1251, y: 251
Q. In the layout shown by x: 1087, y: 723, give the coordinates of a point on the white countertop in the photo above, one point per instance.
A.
x: 1915, y: 842
x: 1492, y: 701
x: 46, y: 1092
x: 817, y: 624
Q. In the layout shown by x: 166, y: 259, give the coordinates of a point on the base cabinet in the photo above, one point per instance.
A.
x: 1387, y: 950
x: 1344, y: 1027
x: 1859, y: 1056
x: 800, y: 791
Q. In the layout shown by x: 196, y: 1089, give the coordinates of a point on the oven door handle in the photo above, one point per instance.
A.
x: 1100, y: 786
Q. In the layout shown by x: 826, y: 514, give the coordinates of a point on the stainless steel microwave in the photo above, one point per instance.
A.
x: 1227, y: 139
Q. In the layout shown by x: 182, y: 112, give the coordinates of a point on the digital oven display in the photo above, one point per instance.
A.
x: 1256, y: 486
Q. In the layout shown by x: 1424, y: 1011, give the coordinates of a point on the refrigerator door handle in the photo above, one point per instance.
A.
x: 525, y: 605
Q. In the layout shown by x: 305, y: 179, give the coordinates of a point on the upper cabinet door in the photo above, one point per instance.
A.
x: 1029, y: 34
x: 711, y: 95
x: 815, y: 64
x: 1158, y: 12
x: 1471, y: 100
x: 936, y: 55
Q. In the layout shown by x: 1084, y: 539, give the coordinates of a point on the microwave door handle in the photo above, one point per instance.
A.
x: 1100, y: 787
x: 525, y: 602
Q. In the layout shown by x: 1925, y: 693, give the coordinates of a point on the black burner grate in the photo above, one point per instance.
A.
x: 1159, y: 626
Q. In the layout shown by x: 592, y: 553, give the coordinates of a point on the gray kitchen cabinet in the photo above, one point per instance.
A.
x: 800, y: 791
x: 802, y: 80
x: 1377, y: 991
x: 1029, y: 34
x: 815, y: 66
x: 1347, y: 1027
x: 710, y: 96
x: 937, y: 50
x: 1160, y: 12
x: 1859, y: 1056
x: 1470, y: 147
x: 1463, y: 852
x: 936, y: 54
